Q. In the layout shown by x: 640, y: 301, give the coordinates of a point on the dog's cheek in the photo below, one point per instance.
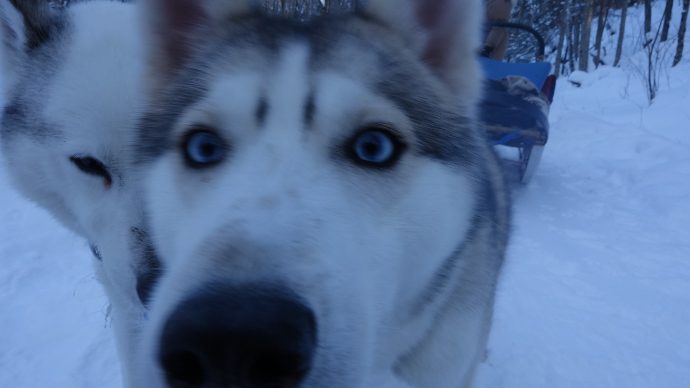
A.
x: 164, y: 211
x: 435, y: 218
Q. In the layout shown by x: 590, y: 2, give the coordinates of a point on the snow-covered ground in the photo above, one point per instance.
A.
x: 596, y: 288
x: 595, y: 291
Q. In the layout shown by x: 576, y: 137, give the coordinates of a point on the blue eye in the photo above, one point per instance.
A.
x: 203, y: 148
x: 376, y: 148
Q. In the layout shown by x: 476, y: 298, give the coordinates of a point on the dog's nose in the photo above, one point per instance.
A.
x: 226, y: 336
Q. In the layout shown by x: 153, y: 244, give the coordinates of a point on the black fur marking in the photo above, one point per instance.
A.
x: 92, y: 166
x: 442, y: 133
x: 14, y: 111
x: 309, y: 109
x: 18, y: 118
x: 155, y: 127
x: 96, y: 253
x: 146, y: 282
x: 42, y: 21
x: 261, y: 112
x: 149, y: 269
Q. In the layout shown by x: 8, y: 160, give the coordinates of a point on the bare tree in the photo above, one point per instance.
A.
x: 621, y: 31
x: 658, y: 56
x: 668, y: 13
x: 647, y: 16
x: 562, y: 30
x: 575, y: 27
x: 305, y: 9
x: 586, y: 32
x: 681, y: 33
x: 601, y: 24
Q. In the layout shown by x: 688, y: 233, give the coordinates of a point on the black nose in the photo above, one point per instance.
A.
x: 226, y: 336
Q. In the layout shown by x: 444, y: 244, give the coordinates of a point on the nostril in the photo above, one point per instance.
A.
x: 183, y: 368
x: 278, y: 369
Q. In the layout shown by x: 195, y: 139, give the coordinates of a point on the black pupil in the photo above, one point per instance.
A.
x: 208, y: 150
x: 372, y: 147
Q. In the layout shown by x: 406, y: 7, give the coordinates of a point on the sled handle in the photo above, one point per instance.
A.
x: 541, y: 49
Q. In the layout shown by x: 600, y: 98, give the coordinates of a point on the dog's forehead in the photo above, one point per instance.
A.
x: 82, y: 85
x: 28, y: 96
x: 359, y: 50
x: 96, y: 92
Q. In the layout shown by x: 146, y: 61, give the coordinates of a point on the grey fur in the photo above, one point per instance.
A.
x: 45, y: 32
x: 442, y: 131
x: 40, y: 19
x: 368, y: 49
x: 71, y: 89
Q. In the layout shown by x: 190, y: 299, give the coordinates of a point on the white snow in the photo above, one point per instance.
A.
x: 595, y: 291
x: 596, y: 287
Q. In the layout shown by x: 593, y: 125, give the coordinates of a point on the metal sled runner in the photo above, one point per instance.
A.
x: 515, y: 108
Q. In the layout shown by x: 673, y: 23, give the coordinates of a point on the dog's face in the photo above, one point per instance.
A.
x: 306, y: 184
x: 72, y: 97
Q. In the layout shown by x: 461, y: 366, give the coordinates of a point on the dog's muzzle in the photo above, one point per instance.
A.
x: 227, y: 336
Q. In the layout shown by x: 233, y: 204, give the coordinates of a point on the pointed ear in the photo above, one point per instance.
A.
x: 174, y: 27
x: 13, y: 42
x: 446, y: 34
x: 25, y: 24
x: 39, y: 18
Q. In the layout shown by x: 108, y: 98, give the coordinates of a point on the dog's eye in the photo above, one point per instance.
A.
x: 377, y: 147
x: 92, y: 166
x: 203, y: 148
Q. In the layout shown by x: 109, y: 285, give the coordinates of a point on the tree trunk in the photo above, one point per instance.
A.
x: 621, y: 32
x: 586, y: 33
x: 576, y: 26
x: 681, y: 33
x: 647, y: 16
x: 562, y: 30
x: 601, y: 24
x: 668, y: 13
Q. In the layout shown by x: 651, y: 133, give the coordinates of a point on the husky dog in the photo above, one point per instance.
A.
x: 325, y: 208
x: 73, y: 94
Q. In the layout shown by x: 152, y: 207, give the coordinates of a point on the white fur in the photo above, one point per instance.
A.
x: 11, y: 57
x: 295, y: 213
x: 346, y: 239
x: 94, y: 101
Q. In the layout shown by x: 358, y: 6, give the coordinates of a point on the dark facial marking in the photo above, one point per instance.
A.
x: 149, y: 268
x: 96, y: 253
x: 442, y: 132
x: 261, y: 111
x: 92, y: 166
x: 309, y: 110
x: 155, y: 127
x: 41, y: 20
x: 146, y: 282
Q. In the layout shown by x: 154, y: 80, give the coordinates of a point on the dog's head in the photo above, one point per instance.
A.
x: 72, y: 96
x: 310, y: 180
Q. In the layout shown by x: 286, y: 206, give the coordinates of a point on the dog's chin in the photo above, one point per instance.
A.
x: 151, y: 376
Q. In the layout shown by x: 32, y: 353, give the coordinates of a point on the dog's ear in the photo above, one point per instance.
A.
x: 446, y: 34
x: 175, y: 25
x: 26, y: 24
